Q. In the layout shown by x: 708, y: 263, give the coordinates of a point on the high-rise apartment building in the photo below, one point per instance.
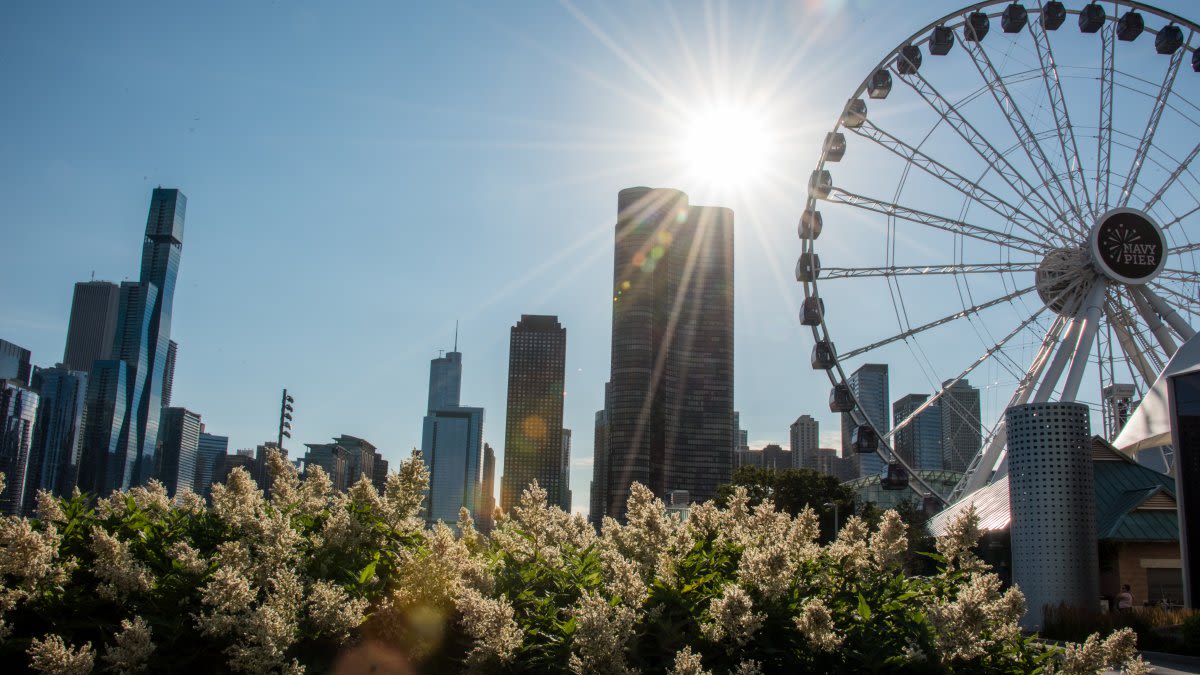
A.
x: 961, y: 428
x: 14, y: 363
x: 869, y: 385
x: 537, y: 354
x: 93, y: 324
x: 670, y: 413
x: 123, y: 453
x: 920, y: 442
x: 18, y: 414
x: 58, y: 437
x: 599, y: 467
x: 210, y: 460
x: 179, y: 455
x: 805, y: 435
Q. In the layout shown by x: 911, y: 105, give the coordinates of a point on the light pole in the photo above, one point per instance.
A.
x: 285, y: 418
x: 835, y: 517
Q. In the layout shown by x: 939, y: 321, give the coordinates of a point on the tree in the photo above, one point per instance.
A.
x: 792, y: 490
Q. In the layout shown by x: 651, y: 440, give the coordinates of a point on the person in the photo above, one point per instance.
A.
x: 1125, y: 599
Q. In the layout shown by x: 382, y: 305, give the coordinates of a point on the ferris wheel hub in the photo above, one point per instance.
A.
x: 1127, y: 246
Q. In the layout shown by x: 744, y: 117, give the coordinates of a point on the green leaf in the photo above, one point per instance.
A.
x: 864, y: 610
x: 367, y: 571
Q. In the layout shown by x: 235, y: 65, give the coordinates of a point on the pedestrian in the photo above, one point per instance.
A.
x: 1125, y: 599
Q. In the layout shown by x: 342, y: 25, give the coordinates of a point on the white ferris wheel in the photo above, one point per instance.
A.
x: 1010, y: 199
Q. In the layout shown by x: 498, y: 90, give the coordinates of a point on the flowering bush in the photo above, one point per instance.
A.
x: 311, y: 579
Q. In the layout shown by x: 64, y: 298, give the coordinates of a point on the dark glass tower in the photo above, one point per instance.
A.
x: 120, y: 450
x: 670, y: 412
x: 537, y: 356
x: 93, y: 324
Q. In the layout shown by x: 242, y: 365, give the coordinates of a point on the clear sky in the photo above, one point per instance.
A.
x: 360, y: 176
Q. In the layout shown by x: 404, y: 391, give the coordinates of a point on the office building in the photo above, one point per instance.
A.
x: 805, y: 434
x: 487, y: 498
x: 14, y: 363
x: 380, y: 473
x: 93, y: 324
x: 961, y: 428
x: 445, y: 380
x: 869, y: 384
x: 210, y: 461
x: 599, y: 467
x: 566, y: 470
x: 330, y: 457
x: 103, y: 467
x: 125, y: 447
x: 18, y: 414
x: 670, y: 415
x: 178, y: 457
x: 451, y: 442
x: 770, y: 456
x: 919, y: 443
x: 58, y: 435
x: 533, y: 436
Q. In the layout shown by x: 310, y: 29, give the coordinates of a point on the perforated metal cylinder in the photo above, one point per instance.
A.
x: 1053, y: 495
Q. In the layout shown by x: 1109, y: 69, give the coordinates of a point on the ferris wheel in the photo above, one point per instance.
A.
x: 1008, y: 204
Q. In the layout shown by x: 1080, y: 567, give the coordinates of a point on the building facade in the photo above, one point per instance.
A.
x: 58, y: 437
x: 670, y: 414
x: 869, y: 384
x: 599, y: 467
x: 919, y: 443
x: 93, y: 324
x: 210, y: 461
x: 961, y: 429
x: 805, y: 435
x: 18, y: 415
x: 452, y: 444
x: 14, y: 363
x: 487, y: 497
x: 179, y: 432
x: 533, y: 436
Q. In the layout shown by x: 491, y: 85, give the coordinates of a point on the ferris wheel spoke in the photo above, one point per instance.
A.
x: 1180, y: 250
x: 1104, y: 137
x: 1176, y: 220
x: 1180, y: 276
x: 1016, y: 120
x: 940, y: 222
x: 1119, y: 320
x: 1174, y: 176
x: 987, y: 354
x: 1182, y: 301
x: 968, y: 188
x: 993, y: 157
x: 1058, y: 102
x: 1167, y: 312
x: 1160, y: 102
x: 1157, y: 328
x: 901, y: 271
x: 934, y: 324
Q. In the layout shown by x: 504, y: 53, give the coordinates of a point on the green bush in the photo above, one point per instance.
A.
x: 312, y: 579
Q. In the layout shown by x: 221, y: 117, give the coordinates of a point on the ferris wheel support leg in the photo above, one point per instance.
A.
x: 1061, y: 356
x: 1168, y: 313
x: 1090, y: 313
x: 1156, y: 326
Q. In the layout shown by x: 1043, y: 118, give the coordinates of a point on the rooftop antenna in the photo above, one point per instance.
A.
x: 456, y: 335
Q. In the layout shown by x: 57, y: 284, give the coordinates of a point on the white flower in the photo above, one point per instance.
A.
x: 1096, y: 655
x: 48, y: 510
x: 131, y: 647
x: 151, y: 497
x: 119, y: 572
x: 238, y: 501
x: 688, y: 663
x: 961, y: 536
x: 749, y: 668
x: 493, y: 631
x: 404, y: 491
x: 29, y: 554
x: 601, y: 631
x: 816, y: 624
x: 333, y: 611
x: 188, y: 558
x: 52, y: 656
x: 979, y: 616
x: 731, y: 616
x: 889, y: 544
x: 192, y: 503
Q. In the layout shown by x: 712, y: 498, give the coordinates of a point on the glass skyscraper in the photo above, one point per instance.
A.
x: 177, y: 458
x: 120, y: 451
x: 537, y: 354
x: 210, y: 458
x: 18, y: 413
x: 58, y: 440
x: 919, y: 443
x: 870, y: 387
x: 451, y: 443
x: 93, y: 324
x: 962, y: 434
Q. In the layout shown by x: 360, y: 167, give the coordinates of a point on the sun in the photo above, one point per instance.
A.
x: 727, y: 146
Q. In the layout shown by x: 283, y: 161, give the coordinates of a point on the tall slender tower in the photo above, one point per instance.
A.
x: 533, y: 435
x: 451, y: 442
x: 805, y: 435
x: 870, y: 386
x: 93, y: 324
x: 670, y: 412
x: 120, y: 450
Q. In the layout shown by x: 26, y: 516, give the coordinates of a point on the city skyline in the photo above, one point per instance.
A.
x: 497, y: 135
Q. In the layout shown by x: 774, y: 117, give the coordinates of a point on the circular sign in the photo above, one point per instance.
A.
x: 1128, y: 246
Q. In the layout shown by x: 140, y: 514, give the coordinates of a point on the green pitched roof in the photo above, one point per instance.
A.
x: 1123, y: 485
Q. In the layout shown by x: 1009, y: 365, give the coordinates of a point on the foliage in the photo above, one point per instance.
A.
x: 791, y: 491
x: 1157, y: 629
x: 310, y: 579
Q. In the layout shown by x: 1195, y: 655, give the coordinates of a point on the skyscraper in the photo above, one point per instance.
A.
x: 445, y: 380
x: 961, y: 435
x: 487, y: 498
x: 93, y: 324
x: 18, y: 413
x: 14, y: 363
x: 566, y: 471
x: 58, y: 437
x: 178, y: 457
x: 919, y: 443
x: 533, y: 437
x: 140, y: 346
x: 805, y: 436
x: 670, y: 414
x: 210, y: 456
x: 169, y: 374
x: 599, y: 465
x: 451, y: 442
x: 869, y: 385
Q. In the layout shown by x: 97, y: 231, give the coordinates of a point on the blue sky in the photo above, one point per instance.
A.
x: 362, y: 175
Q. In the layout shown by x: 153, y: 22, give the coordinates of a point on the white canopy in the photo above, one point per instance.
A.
x: 1150, y: 425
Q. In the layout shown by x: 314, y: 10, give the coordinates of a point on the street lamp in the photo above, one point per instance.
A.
x: 835, y: 516
x: 285, y: 418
